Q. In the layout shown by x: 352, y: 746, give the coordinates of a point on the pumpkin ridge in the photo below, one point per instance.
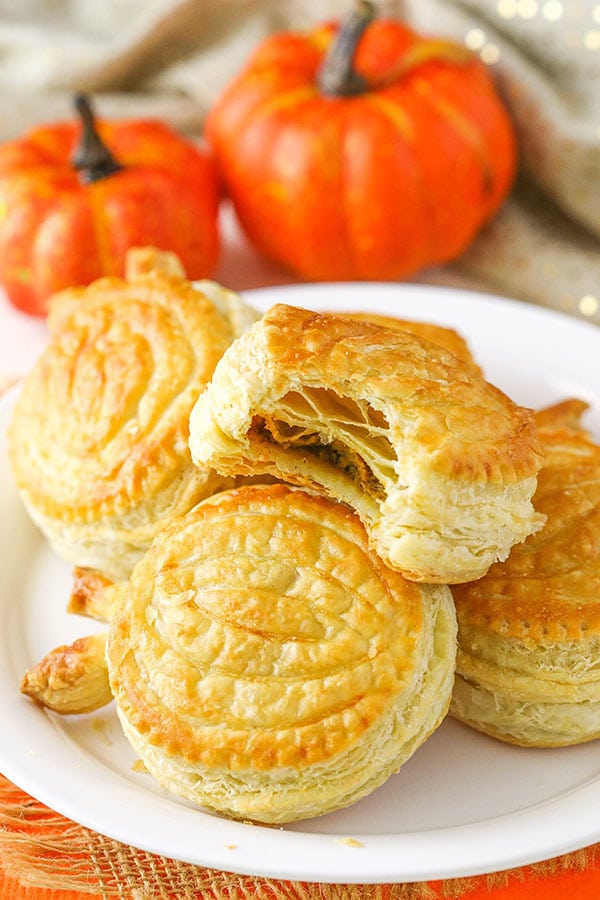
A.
x: 41, y: 265
x: 400, y: 119
x: 425, y: 51
x: 34, y: 264
x: 432, y: 234
x: 393, y: 111
x: 346, y: 218
x: 273, y: 190
x: 275, y: 103
x: 108, y: 265
x: 461, y: 125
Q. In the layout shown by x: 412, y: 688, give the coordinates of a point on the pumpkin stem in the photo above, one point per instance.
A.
x: 92, y: 158
x: 337, y: 76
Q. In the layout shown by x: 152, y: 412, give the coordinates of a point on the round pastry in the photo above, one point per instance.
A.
x: 440, y: 465
x: 266, y: 664
x: 98, y: 439
x: 529, y: 632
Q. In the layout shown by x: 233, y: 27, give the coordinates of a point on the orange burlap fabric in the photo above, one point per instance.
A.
x: 44, y: 856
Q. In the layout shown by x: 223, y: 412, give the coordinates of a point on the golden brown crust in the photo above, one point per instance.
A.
x: 529, y: 631
x: 261, y: 635
x: 414, y: 439
x: 548, y: 587
x: 567, y: 413
x: 111, y: 393
x: 323, y: 538
x: 437, y: 334
x: 93, y: 595
x: 453, y: 409
x: 142, y: 261
x: 98, y: 440
x: 71, y: 679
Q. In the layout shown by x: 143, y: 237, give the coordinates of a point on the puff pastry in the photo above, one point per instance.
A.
x: 429, y: 331
x: 528, y: 668
x: 98, y: 439
x: 71, y: 679
x: 440, y: 465
x: 266, y: 664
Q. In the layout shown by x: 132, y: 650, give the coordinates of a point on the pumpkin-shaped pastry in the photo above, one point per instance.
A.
x: 267, y: 664
x: 99, y: 436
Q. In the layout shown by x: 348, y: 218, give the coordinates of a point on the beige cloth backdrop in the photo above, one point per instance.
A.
x: 170, y: 59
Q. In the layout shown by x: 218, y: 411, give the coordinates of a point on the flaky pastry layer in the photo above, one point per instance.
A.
x: 440, y: 465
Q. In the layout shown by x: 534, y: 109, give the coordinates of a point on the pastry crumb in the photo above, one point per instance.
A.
x: 138, y: 766
x: 102, y: 729
x: 349, y: 842
x: 231, y: 846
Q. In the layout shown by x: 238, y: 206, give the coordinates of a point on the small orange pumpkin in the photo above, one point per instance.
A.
x: 70, y: 209
x: 366, y: 152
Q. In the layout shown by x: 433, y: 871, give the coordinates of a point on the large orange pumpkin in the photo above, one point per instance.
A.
x: 362, y: 152
x: 75, y: 197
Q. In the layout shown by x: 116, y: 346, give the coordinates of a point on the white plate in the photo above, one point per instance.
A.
x: 464, y: 804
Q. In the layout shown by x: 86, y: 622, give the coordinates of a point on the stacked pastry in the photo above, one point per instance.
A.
x: 529, y: 631
x: 282, y: 648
